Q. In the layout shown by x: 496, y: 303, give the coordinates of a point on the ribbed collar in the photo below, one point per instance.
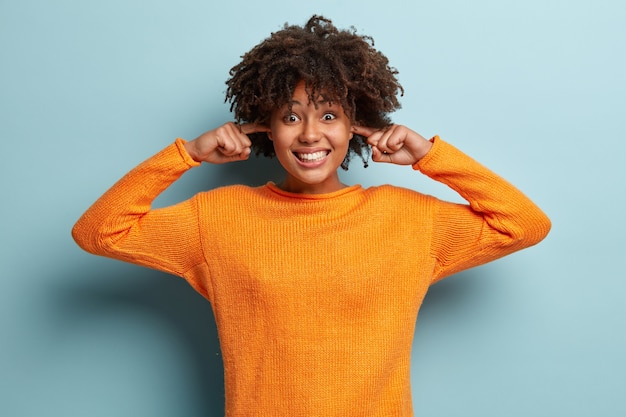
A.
x: 339, y: 193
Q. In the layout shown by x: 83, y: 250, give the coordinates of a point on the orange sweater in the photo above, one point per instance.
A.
x: 315, y: 296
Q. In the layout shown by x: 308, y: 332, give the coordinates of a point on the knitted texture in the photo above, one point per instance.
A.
x: 315, y: 296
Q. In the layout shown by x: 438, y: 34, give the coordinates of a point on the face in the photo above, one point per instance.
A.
x: 310, y: 143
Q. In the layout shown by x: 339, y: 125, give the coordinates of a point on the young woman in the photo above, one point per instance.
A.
x: 315, y: 284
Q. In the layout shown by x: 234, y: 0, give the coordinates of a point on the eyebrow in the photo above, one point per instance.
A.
x: 321, y: 101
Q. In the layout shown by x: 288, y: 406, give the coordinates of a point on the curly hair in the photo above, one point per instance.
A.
x: 339, y: 65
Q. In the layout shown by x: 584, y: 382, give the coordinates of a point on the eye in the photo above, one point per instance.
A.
x: 290, y: 118
x: 329, y: 116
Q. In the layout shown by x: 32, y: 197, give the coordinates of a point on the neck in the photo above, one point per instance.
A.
x: 302, y: 188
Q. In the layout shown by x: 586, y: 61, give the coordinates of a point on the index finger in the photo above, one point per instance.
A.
x: 248, y: 128
x: 364, y: 130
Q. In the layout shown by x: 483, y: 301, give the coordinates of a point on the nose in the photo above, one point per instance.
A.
x: 311, y: 132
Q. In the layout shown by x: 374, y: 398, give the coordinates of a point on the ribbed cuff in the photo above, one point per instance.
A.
x: 180, y: 144
x: 435, y: 140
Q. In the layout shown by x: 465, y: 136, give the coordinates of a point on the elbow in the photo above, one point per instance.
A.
x: 86, y: 237
x: 534, y: 230
x: 80, y: 236
x: 95, y: 237
x: 541, y: 230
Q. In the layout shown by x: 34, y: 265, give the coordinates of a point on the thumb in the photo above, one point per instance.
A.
x: 380, y: 156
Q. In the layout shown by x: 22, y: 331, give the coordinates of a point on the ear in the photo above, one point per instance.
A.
x: 269, y: 135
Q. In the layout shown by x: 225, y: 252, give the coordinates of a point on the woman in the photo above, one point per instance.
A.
x: 315, y: 284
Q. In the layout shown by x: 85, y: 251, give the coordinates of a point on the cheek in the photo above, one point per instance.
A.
x: 277, y: 134
x: 344, y: 135
x: 280, y: 142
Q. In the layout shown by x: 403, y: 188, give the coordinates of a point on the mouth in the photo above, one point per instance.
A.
x: 311, y: 156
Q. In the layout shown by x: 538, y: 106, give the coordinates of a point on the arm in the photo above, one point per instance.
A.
x: 499, y: 218
x: 121, y: 224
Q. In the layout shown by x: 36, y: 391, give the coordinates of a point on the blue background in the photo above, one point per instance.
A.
x: 535, y: 90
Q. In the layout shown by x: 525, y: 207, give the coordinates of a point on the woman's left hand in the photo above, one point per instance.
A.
x: 395, y: 144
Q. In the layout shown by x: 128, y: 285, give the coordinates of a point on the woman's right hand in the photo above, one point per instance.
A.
x: 227, y: 143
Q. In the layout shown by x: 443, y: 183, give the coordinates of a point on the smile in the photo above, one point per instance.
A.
x: 312, y: 156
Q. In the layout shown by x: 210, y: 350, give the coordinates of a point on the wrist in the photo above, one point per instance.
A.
x: 425, y: 147
x: 428, y: 145
x: 191, y: 150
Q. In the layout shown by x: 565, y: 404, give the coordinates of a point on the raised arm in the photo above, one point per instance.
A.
x: 122, y: 224
x: 498, y: 219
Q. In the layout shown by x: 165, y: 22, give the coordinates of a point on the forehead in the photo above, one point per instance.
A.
x: 303, y: 96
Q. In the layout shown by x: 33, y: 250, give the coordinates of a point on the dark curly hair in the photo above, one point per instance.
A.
x: 339, y: 65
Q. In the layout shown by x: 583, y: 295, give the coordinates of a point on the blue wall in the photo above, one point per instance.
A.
x: 535, y: 89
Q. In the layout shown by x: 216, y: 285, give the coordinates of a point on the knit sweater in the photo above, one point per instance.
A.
x: 315, y: 296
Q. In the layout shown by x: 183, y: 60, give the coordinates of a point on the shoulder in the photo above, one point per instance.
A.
x: 395, y: 197
x: 229, y: 192
x: 393, y: 191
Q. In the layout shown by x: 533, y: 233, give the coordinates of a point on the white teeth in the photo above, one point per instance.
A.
x: 311, y: 157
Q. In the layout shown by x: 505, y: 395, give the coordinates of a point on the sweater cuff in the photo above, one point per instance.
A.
x: 430, y: 155
x: 180, y: 144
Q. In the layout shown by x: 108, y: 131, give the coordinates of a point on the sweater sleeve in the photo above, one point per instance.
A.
x: 122, y: 225
x: 498, y: 220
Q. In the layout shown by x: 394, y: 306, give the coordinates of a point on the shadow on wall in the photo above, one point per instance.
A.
x: 126, y: 293
x: 457, y: 292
